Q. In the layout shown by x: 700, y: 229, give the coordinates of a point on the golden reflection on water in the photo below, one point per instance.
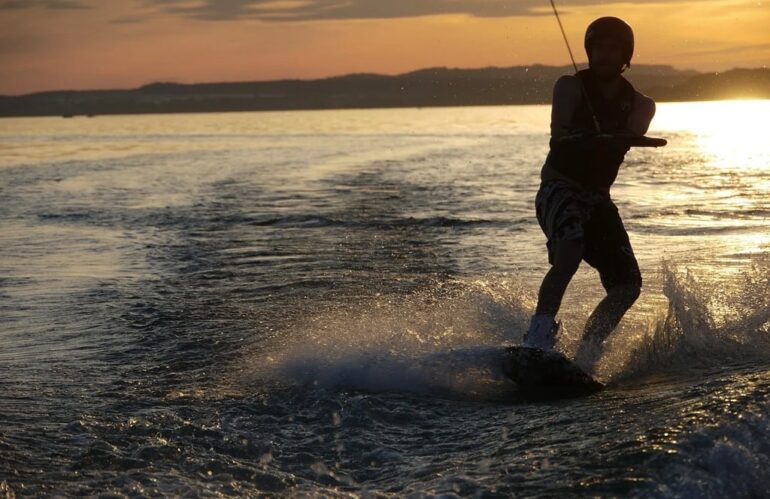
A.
x: 730, y: 134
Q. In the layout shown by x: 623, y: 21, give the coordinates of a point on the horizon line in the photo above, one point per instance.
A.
x: 360, y: 73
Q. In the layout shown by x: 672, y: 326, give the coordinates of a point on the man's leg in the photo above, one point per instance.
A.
x: 560, y: 213
x: 608, y: 313
x: 565, y: 258
x: 604, y: 319
x: 608, y: 250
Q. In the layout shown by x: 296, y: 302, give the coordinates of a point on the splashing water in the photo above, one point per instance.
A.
x: 444, y: 339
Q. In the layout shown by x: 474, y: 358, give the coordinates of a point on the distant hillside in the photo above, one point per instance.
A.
x: 422, y: 88
x: 736, y: 83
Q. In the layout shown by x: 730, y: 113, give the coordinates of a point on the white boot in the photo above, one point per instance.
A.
x: 542, y: 332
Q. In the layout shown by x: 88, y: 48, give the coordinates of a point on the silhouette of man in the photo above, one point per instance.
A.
x: 591, y: 111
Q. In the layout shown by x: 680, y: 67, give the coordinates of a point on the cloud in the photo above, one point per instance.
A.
x: 128, y: 20
x: 306, y: 10
x: 303, y: 10
x: 47, y: 4
x: 730, y: 50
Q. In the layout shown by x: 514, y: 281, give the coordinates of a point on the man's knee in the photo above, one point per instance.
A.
x: 627, y: 293
x: 566, y: 267
x: 567, y: 256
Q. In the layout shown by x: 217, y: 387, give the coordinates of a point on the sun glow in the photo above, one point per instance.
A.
x: 730, y: 134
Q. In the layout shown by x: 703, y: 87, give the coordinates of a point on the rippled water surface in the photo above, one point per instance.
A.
x: 311, y: 303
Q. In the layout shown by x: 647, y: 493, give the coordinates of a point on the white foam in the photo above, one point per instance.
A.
x: 727, y: 460
x: 706, y: 324
x: 445, y: 338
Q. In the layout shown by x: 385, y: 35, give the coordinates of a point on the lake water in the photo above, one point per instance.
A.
x: 308, y: 303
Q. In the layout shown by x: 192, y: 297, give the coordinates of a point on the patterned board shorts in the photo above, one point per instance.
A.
x: 567, y: 213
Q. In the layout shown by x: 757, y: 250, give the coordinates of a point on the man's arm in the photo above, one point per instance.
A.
x: 566, y: 98
x: 641, y: 115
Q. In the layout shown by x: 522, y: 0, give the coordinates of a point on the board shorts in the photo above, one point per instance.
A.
x: 566, y: 212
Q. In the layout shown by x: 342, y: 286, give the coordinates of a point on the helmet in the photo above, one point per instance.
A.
x: 611, y: 27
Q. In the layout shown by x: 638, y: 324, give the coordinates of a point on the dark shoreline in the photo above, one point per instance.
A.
x: 435, y: 87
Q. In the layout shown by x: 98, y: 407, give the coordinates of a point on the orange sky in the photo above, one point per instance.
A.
x: 79, y: 44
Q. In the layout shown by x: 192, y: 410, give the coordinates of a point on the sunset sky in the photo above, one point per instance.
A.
x: 88, y: 44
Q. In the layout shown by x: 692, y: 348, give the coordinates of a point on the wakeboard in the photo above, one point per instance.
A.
x: 546, y: 375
